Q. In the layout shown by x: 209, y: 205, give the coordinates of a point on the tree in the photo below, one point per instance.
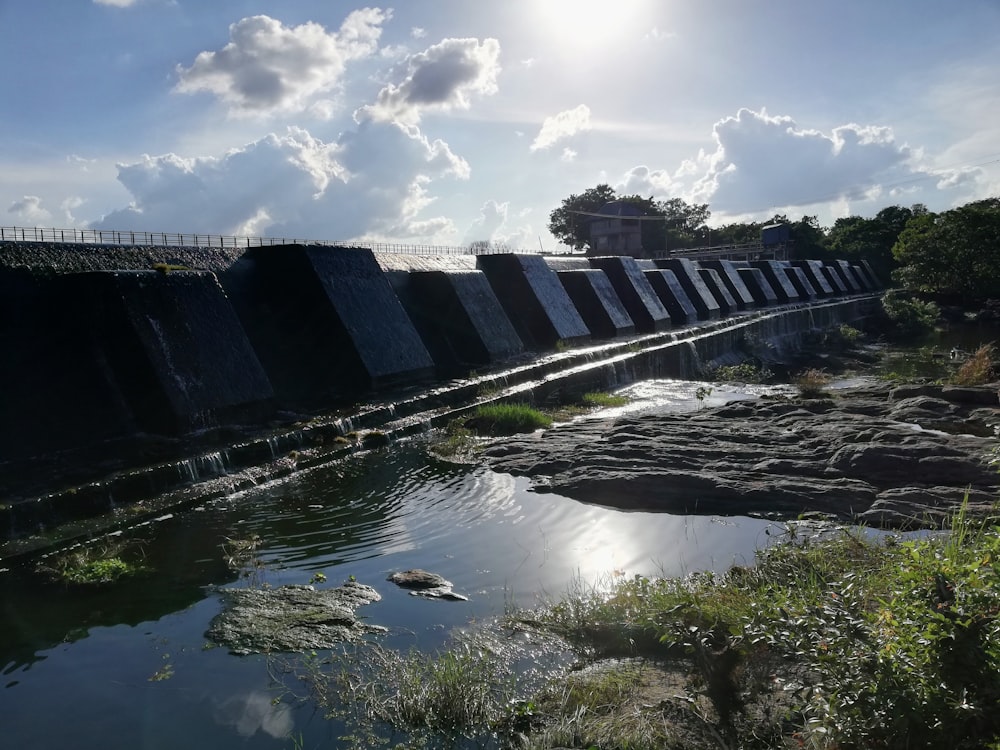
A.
x: 806, y: 236
x: 672, y: 223
x: 955, y: 253
x: 570, y: 223
x: 857, y: 238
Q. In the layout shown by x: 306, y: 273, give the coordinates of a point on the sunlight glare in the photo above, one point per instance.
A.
x: 578, y: 25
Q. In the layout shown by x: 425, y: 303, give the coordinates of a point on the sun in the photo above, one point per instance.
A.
x: 578, y: 25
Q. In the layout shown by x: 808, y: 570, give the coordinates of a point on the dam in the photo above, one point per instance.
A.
x: 133, y: 373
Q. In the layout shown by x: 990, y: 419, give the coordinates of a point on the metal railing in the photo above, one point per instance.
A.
x: 172, y: 239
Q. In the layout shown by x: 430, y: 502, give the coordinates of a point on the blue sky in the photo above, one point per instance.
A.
x: 446, y: 122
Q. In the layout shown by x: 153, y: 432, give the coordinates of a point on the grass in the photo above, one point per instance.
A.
x: 91, y: 565
x: 507, y: 419
x: 978, y: 369
x: 468, y: 692
x: 832, y: 642
x: 455, y: 442
x: 603, y: 400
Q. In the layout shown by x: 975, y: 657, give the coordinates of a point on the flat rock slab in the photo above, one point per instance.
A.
x: 291, y: 618
x: 891, y: 457
x: 429, y: 585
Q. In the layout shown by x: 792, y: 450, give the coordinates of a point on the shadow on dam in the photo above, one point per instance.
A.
x: 139, y: 377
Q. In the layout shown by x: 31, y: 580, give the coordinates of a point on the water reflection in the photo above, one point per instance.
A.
x: 106, y: 652
x: 254, y: 712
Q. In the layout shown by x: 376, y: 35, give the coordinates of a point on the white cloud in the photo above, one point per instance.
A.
x: 374, y: 181
x: 568, y: 155
x: 658, y: 35
x: 761, y: 162
x: 418, y: 32
x: 29, y: 209
x: 442, y: 77
x: 68, y: 206
x: 644, y: 181
x: 117, y: 3
x: 268, y: 67
x: 563, y: 125
x: 80, y: 161
x: 492, y: 217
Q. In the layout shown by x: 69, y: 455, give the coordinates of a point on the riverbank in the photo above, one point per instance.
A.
x: 835, y: 638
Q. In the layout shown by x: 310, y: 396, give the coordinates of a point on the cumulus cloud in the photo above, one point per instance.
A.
x: 443, y: 77
x: 642, y: 180
x: 561, y: 126
x: 268, y: 67
x: 29, y: 209
x: 762, y: 161
x: 374, y: 181
x: 116, y: 3
x: 492, y: 217
x: 568, y: 155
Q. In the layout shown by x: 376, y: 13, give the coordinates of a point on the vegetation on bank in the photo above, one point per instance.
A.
x: 834, y: 639
x: 459, y: 439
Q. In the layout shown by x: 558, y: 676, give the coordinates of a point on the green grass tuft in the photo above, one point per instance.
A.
x: 507, y: 419
x: 604, y: 400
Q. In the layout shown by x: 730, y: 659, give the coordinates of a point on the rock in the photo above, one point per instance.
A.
x: 429, y: 585
x: 290, y: 618
x: 979, y: 395
x: 419, y: 579
x: 878, y: 455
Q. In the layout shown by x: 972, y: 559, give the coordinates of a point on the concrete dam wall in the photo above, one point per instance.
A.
x: 127, y: 353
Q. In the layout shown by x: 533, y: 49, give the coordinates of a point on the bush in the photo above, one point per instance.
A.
x: 745, y: 372
x: 812, y: 383
x: 909, y: 317
x: 977, y: 369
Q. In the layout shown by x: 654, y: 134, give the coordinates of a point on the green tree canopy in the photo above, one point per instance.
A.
x: 671, y: 223
x: 955, y: 253
x: 857, y: 238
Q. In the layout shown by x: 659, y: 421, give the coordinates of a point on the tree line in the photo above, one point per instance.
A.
x: 954, y: 253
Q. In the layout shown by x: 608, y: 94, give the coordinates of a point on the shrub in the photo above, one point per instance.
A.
x: 812, y: 383
x: 977, y: 369
x: 745, y: 372
x: 908, y: 316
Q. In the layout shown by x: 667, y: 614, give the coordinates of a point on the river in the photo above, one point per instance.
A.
x: 129, y: 666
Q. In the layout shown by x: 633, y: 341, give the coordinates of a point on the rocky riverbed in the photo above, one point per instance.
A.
x: 889, y: 456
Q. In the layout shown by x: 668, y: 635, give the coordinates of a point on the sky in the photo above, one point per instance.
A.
x: 446, y: 122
